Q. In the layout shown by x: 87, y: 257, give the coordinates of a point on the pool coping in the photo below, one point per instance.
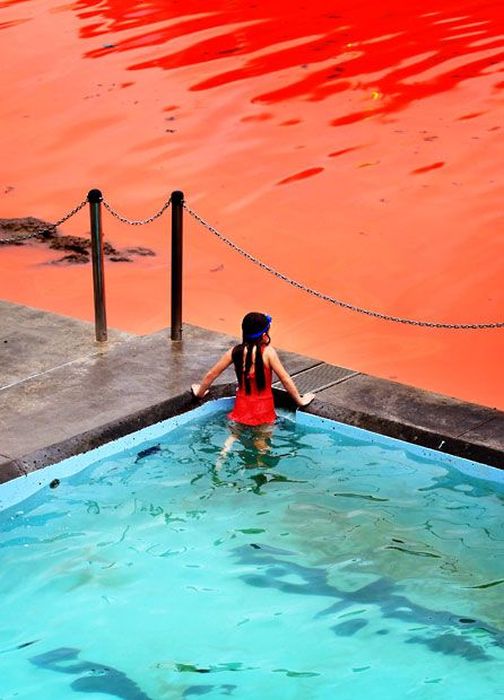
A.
x: 182, y: 403
x: 142, y: 380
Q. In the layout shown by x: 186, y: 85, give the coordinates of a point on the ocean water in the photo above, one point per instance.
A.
x: 332, y: 563
x: 352, y: 147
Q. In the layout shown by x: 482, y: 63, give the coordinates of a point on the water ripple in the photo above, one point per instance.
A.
x: 390, y: 54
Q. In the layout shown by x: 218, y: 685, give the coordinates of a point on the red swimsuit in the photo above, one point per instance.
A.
x: 257, y: 407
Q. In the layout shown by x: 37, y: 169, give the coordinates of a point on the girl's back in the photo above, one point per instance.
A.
x: 254, y: 403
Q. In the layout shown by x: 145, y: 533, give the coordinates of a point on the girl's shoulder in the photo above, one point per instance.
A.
x: 268, y: 353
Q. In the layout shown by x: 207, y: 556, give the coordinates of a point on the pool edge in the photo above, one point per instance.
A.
x: 183, y: 403
x: 85, y: 394
x: 441, y: 441
x: 71, y: 457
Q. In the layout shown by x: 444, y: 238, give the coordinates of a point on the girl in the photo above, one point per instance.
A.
x: 254, y: 360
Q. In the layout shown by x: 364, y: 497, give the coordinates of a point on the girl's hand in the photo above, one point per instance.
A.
x: 195, y: 389
x: 306, y: 399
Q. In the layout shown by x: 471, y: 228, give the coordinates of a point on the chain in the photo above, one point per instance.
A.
x: 332, y: 300
x: 21, y: 237
x: 70, y: 213
x: 137, y: 222
x: 52, y: 227
x: 42, y: 230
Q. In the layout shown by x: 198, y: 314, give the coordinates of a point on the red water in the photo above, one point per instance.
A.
x: 354, y: 146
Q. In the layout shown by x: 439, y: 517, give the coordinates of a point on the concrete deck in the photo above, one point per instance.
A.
x: 61, y: 393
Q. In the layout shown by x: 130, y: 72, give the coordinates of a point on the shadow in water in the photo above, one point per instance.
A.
x: 444, y: 627
x: 93, y: 677
x: 97, y: 678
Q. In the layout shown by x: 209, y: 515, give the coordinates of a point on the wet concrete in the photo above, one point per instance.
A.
x: 62, y: 393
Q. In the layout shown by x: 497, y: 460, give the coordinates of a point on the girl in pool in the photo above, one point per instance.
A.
x: 254, y: 361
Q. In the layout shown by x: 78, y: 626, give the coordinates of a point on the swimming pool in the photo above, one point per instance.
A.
x: 338, y: 564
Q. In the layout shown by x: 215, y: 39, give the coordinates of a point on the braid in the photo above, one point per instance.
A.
x: 259, y: 369
x: 248, y: 365
x: 243, y: 372
x: 237, y: 355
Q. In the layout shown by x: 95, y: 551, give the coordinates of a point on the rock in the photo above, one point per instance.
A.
x: 75, y: 243
x: 29, y: 230
x: 25, y: 225
x: 139, y: 251
x: 120, y: 258
x: 108, y: 248
x: 72, y: 259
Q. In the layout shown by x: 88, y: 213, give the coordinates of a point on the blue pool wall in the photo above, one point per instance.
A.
x: 19, y: 489
x: 466, y: 466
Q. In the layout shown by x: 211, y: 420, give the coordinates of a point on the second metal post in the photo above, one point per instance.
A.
x: 177, y: 208
x: 95, y: 199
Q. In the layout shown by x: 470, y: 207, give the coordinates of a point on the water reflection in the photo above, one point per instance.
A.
x: 14, y: 22
x: 8, y: 3
x: 392, y: 53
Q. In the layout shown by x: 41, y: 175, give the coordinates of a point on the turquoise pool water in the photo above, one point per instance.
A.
x: 340, y: 564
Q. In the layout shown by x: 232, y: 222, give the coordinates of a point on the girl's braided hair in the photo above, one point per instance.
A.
x: 254, y: 325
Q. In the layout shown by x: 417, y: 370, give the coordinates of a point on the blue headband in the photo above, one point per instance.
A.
x: 253, y: 336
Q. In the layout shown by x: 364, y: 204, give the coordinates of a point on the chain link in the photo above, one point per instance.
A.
x: 21, y: 237
x: 136, y: 222
x: 73, y: 211
x: 44, y: 229
x: 332, y: 300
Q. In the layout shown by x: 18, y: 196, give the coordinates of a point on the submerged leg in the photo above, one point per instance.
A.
x: 262, y: 438
x: 226, y: 448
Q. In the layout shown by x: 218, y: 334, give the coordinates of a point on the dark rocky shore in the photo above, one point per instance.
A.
x: 76, y: 249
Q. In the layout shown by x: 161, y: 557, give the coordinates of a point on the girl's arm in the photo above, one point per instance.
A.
x: 286, y: 379
x: 200, y: 390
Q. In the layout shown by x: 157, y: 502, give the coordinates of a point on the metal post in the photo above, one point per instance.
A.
x: 177, y: 207
x: 95, y: 198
